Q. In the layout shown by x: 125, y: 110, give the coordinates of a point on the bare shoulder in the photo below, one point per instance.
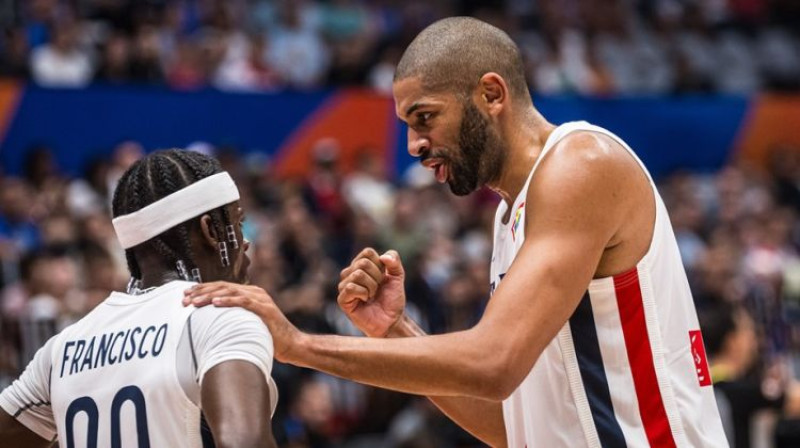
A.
x: 589, y: 165
x: 589, y: 182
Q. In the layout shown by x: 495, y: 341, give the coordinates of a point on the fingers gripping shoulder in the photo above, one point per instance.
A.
x: 225, y: 334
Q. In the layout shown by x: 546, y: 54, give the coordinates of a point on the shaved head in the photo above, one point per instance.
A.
x: 452, y: 55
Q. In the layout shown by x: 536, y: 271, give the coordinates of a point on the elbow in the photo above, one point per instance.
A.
x: 497, y: 387
x: 500, y: 376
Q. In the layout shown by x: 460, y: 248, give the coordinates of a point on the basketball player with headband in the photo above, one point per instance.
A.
x: 140, y: 369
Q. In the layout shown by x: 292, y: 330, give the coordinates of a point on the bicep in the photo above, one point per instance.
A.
x: 236, y: 402
x: 537, y: 296
x: 573, y: 214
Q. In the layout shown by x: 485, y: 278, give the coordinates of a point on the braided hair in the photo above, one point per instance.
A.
x: 152, y: 178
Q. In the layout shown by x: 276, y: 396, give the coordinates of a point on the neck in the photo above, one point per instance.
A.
x: 155, y: 273
x: 156, y: 279
x: 526, y: 136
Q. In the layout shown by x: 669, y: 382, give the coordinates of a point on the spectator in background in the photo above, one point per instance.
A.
x: 14, y: 296
x: 15, y: 48
x: 124, y: 155
x: 250, y: 72
x: 185, y: 70
x: 366, y: 189
x: 115, y: 65
x: 381, y: 75
x: 575, y: 46
x: 296, y: 49
x: 18, y: 231
x: 39, y: 16
x: 89, y: 195
x: 62, y: 62
x: 351, y: 33
x: 731, y: 341
x: 147, y: 58
x: 323, y: 185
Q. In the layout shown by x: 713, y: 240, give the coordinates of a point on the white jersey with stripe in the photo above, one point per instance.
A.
x: 629, y: 367
x: 129, y: 372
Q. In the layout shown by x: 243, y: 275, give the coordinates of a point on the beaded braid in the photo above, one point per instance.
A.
x: 154, y: 177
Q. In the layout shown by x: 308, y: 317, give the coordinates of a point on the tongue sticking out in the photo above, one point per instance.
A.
x: 441, y: 173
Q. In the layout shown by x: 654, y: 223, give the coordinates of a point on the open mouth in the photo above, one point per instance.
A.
x: 439, y: 168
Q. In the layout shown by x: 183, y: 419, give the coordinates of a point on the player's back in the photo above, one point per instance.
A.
x: 114, y: 375
x: 129, y: 373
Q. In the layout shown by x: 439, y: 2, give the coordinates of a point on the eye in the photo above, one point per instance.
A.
x: 423, y: 117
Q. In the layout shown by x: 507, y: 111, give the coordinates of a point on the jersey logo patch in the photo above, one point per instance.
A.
x: 517, y: 219
x: 699, y: 356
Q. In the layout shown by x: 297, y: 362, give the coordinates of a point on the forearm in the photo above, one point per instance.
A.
x: 481, y: 418
x: 455, y: 364
x: 442, y: 365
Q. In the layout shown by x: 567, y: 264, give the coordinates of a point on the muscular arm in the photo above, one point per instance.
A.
x: 236, y: 403
x: 481, y: 418
x: 14, y: 434
x: 577, y: 203
x: 575, y: 209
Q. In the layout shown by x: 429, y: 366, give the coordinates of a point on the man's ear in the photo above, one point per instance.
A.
x: 209, y: 234
x: 493, y: 92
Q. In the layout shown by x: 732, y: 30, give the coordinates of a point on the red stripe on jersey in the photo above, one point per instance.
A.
x: 640, y: 356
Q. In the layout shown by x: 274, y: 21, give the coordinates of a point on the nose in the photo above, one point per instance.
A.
x: 246, y: 245
x: 417, y: 144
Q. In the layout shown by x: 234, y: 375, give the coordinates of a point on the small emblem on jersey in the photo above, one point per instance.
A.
x: 517, y: 219
x: 699, y: 356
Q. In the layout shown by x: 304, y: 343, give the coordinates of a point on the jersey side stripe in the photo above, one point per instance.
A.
x: 640, y: 356
x: 593, y: 375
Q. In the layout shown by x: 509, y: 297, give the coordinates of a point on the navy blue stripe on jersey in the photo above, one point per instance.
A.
x: 191, y: 342
x: 593, y: 375
x: 30, y: 405
x: 205, y: 433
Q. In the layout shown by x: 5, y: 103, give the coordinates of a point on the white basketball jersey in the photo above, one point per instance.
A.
x: 114, y: 376
x: 629, y: 367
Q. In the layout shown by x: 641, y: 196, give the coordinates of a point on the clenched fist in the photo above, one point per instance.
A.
x: 371, y: 291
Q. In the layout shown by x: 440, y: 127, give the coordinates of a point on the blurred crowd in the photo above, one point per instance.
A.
x: 595, y: 47
x: 738, y: 232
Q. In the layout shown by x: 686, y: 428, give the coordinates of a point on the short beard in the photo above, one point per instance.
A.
x: 482, y: 155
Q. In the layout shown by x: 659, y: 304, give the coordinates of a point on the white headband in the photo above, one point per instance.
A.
x: 202, y: 196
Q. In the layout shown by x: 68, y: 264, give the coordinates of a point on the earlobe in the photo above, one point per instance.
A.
x: 209, y: 234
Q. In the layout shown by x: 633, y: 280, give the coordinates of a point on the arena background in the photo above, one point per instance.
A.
x: 294, y: 97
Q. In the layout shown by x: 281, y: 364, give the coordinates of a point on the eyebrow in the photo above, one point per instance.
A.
x: 414, y: 107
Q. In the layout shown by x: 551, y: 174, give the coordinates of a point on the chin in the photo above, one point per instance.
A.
x: 460, y: 190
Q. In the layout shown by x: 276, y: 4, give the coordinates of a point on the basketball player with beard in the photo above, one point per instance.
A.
x: 590, y: 337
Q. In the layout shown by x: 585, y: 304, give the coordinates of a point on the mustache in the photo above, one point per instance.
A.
x: 433, y: 155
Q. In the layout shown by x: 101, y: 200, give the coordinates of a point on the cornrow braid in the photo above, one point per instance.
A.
x: 126, y: 188
x: 201, y: 169
x: 161, y: 185
x: 174, y: 170
x: 155, y: 177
